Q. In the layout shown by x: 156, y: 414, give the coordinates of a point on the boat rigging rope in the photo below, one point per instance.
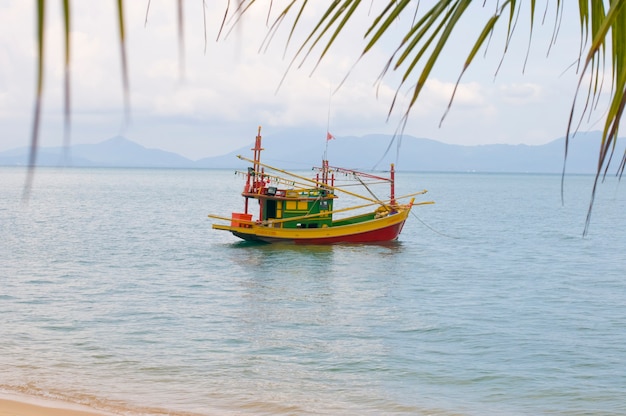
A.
x: 432, y: 229
x: 358, y: 178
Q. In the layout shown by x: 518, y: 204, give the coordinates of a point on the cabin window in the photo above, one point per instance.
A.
x: 324, y: 205
x: 303, y: 205
x: 291, y: 205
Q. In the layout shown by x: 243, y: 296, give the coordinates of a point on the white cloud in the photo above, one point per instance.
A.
x: 519, y: 94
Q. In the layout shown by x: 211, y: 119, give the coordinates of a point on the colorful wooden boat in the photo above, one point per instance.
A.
x: 296, y: 209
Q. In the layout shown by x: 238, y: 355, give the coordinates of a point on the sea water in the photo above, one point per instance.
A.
x: 116, y: 293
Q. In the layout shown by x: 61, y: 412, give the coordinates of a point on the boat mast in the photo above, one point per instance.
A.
x: 254, y: 179
x: 257, y: 157
x: 324, y: 172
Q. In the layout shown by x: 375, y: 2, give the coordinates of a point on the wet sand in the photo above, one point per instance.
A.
x: 23, y: 406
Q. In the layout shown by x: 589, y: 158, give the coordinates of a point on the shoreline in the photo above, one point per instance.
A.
x: 15, y: 404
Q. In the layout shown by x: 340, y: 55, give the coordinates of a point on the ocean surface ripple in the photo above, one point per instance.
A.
x: 117, y: 294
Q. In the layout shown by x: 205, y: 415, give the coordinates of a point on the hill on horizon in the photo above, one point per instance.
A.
x: 370, y: 152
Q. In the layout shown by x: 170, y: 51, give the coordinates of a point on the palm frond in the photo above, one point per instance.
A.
x: 67, y: 95
x: 34, y: 139
x: 603, y: 37
x: 123, y: 57
x: 427, y: 37
x: 600, y: 24
x: 181, y: 39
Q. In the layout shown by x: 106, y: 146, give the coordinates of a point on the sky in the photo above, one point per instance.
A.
x: 211, y: 101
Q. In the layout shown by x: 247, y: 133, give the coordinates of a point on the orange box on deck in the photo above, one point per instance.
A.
x: 240, y: 216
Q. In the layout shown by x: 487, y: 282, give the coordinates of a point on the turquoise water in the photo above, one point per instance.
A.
x: 116, y: 293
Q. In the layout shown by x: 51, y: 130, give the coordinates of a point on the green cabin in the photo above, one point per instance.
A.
x: 315, y: 204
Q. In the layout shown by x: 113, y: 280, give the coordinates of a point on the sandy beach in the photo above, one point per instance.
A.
x: 19, y: 406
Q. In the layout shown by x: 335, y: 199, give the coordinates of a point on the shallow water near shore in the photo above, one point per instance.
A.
x: 117, y: 294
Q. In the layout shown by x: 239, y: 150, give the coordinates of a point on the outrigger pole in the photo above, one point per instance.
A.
x: 318, y: 183
x: 278, y: 220
x: 303, y: 214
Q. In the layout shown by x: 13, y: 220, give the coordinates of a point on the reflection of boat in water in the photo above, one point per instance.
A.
x: 293, y: 208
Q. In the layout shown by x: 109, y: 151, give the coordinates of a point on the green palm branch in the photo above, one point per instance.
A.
x: 602, y: 28
x: 427, y: 38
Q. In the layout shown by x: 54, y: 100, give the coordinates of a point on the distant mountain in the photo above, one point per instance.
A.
x: 288, y: 148
x: 114, y: 152
x: 295, y: 149
x: 292, y: 150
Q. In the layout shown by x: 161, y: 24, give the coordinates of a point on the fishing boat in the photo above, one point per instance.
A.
x: 296, y: 209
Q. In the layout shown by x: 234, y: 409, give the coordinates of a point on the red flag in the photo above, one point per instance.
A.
x: 329, y: 136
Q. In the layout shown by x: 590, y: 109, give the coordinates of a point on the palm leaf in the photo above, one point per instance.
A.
x: 458, y: 11
x: 601, y: 24
x: 122, y: 33
x: 530, y: 34
x: 487, y: 30
x: 422, y: 44
x: 34, y: 139
x: 181, y: 39
x: 67, y: 107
